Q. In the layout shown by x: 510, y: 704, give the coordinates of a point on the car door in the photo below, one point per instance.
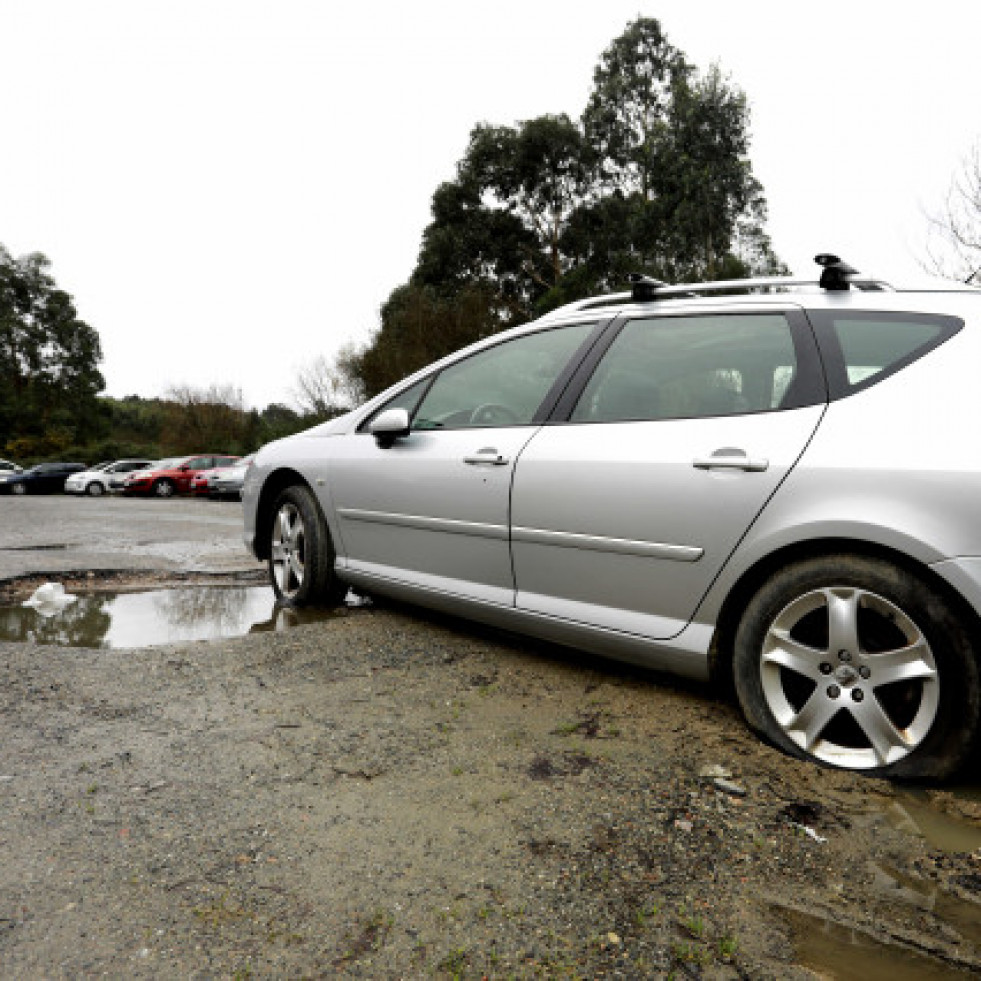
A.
x: 431, y: 509
x: 625, y: 509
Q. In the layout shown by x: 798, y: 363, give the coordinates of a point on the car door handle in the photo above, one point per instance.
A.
x: 488, y: 457
x: 729, y: 459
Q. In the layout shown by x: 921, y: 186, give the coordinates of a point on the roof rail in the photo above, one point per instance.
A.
x: 835, y: 276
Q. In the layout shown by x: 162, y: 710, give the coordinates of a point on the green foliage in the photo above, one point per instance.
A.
x: 654, y: 178
x: 419, y: 325
x: 49, y: 376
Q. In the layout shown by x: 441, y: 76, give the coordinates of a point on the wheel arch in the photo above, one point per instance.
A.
x: 752, y: 579
x: 272, y: 487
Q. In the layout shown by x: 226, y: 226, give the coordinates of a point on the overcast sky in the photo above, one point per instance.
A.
x: 230, y: 188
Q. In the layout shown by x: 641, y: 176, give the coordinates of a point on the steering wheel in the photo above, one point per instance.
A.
x: 493, y: 414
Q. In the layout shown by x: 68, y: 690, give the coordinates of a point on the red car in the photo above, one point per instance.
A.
x: 173, y: 475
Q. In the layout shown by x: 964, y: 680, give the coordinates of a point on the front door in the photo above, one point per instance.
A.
x: 432, y: 509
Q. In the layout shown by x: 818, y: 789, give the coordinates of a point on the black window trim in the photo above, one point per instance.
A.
x: 839, y: 386
x: 810, y: 383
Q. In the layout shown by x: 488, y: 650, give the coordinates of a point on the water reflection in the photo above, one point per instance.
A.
x: 834, y: 951
x: 160, y: 616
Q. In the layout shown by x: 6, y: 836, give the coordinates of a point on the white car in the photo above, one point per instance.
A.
x: 103, y: 478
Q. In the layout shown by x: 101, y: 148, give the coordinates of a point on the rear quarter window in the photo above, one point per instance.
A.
x: 860, y: 349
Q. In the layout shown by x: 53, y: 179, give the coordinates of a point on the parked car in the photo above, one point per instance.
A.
x: 226, y: 482
x: 770, y: 481
x: 45, y: 478
x: 172, y: 475
x: 199, y: 482
x: 6, y: 466
x: 102, y: 477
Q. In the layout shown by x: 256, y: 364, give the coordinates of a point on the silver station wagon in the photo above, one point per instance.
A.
x: 772, y: 482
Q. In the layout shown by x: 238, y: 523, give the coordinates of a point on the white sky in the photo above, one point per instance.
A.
x: 229, y: 188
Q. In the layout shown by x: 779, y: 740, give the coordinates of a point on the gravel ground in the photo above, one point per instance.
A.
x: 390, y: 794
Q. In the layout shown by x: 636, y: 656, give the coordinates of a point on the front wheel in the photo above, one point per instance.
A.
x: 94, y: 489
x: 19, y: 489
x: 164, y: 488
x: 301, y: 554
x: 853, y: 662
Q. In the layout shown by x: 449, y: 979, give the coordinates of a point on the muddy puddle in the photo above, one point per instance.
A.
x: 154, y: 617
x: 833, y: 951
x: 916, y: 814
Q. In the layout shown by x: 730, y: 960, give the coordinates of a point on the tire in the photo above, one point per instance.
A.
x: 852, y: 662
x: 19, y: 489
x: 164, y: 488
x: 301, y: 553
x: 94, y: 489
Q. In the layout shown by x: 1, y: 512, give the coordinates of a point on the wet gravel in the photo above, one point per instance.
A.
x: 391, y: 794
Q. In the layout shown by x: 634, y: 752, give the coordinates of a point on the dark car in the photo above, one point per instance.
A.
x: 45, y: 478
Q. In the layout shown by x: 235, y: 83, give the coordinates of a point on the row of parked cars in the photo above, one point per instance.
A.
x: 207, y: 475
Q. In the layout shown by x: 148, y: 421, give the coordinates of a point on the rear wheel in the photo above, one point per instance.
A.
x: 301, y: 554
x: 20, y: 489
x: 856, y: 663
x: 164, y: 488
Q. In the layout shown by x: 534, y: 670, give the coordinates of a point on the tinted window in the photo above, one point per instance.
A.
x: 501, y: 386
x: 861, y: 349
x: 689, y: 367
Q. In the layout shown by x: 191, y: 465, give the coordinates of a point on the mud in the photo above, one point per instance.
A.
x: 391, y: 794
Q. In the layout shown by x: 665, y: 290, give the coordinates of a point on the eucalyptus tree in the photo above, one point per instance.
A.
x: 654, y: 177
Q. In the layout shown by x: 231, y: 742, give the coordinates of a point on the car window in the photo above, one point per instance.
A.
x: 500, y: 386
x: 862, y: 349
x: 690, y: 367
x: 407, y: 399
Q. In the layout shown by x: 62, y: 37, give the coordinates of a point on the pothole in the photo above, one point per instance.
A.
x: 157, y: 616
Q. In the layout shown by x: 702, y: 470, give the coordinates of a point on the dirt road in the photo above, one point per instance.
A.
x: 387, y: 794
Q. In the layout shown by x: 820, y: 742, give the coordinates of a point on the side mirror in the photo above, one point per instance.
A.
x: 389, y: 426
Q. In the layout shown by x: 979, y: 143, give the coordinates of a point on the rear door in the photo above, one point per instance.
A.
x: 625, y: 511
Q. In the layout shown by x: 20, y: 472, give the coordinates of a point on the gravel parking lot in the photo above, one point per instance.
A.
x: 390, y: 794
x: 64, y: 533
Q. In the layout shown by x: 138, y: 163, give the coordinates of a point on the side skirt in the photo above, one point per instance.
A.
x: 686, y: 654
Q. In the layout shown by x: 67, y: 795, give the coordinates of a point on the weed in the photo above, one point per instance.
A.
x: 220, y: 913
x: 455, y: 963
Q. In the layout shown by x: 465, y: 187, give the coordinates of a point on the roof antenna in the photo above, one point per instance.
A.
x: 836, y: 272
x: 643, y: 288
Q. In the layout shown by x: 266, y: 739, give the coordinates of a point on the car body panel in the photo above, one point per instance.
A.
x: 419, y: 511
x: 602, y: 512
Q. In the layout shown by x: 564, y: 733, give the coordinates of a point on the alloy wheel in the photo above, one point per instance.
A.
x: 849, y: 677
